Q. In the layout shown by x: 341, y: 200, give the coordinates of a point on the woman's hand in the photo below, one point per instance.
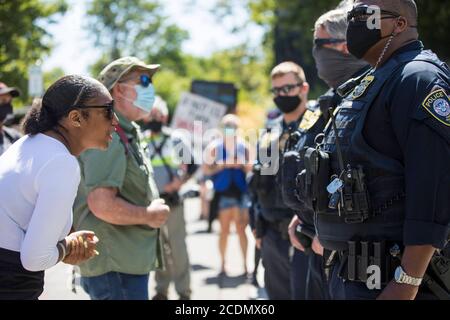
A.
x: 80, y: 246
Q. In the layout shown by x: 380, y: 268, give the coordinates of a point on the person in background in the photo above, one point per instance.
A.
x: 227, y: 162
x: 39, y: 177
x: 7, y: 135
x: 170, y: 174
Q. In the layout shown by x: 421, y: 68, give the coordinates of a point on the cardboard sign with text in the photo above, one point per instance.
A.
x: 193, y: 110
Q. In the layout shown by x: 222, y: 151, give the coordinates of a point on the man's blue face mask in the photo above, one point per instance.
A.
x: 145, y: 97
x: 145, y: 93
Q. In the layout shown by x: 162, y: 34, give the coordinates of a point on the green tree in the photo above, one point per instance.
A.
x: 434, y: 23
x: 23, y: 37
x: 52, y: 75
x: 135, y: 27
x: 289, y: 24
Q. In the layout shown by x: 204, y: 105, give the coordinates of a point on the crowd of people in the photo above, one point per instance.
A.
x: 355, y: 181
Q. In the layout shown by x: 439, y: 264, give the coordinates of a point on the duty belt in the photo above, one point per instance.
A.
x: 362, y: 254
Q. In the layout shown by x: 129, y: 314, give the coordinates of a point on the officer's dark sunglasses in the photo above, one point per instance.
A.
x: 284, y: 89
x: 320, y: 42
x: 362, y: 13
x: 109, y: 109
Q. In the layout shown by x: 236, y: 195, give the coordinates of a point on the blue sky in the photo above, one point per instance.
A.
x: 74, y: 50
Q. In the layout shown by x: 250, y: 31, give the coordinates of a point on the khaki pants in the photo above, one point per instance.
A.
x: 173, y: 238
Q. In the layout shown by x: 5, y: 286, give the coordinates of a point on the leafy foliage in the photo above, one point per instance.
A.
x: 23, y: 38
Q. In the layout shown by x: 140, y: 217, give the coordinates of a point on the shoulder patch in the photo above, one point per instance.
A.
x: 309, y: 119
x: 437, y: 103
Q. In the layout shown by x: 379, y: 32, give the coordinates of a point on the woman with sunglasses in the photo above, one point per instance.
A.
x: 39, y: 177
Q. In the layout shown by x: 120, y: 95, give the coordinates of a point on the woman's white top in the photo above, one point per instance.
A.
x: 38, y: 183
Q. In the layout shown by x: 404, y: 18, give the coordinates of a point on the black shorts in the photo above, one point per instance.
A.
x: 17, y: 283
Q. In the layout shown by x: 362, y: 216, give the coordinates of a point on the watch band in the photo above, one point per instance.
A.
x: 402, y: 277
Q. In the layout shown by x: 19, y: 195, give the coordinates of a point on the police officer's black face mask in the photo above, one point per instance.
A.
x: 154, y: 126
x: 5, y: 110
x: 287, y: 104
x: 360, y: 38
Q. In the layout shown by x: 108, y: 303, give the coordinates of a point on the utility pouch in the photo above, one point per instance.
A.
x: 315, y: 178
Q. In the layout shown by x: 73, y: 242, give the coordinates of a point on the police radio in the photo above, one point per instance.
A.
x: 348, y: 191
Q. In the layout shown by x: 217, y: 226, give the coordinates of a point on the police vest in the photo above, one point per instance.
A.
x: 384, y: 176
x: 223, y: 179
x: 266, y: 178
x: 312, y: 123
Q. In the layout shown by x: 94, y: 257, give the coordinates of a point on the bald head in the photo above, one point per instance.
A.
x: 406, y: 8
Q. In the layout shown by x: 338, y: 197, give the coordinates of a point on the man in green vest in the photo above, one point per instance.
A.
x: 118, y: 197
x: 166, y: 150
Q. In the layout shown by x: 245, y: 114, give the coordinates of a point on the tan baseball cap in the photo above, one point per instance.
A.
x: 116, y: 69
x: 4, y: 89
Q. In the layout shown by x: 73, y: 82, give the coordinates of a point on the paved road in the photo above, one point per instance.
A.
x: 205, y: 263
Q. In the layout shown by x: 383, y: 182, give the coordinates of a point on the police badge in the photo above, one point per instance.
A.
x: 362, y: 87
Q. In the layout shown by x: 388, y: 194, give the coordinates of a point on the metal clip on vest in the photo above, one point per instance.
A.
x: 344, y: 89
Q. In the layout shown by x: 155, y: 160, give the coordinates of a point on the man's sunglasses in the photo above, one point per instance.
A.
x: 320, y: 42
x: 144, y: 80
x: 276, y: 91
x: 109, y: 108
x: 362, y: 13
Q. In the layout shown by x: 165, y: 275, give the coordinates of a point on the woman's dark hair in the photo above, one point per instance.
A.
x: 59, y: 99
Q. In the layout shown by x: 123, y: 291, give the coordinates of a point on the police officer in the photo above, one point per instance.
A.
x: 388, y: 150
x: 290, y: 90
x: 335, y: 66
x: 7, y: 135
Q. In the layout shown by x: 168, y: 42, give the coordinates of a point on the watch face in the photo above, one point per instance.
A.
x: 398, y: 273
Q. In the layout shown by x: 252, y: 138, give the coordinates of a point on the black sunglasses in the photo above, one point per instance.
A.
x: 284, y: 89
x: 109, y: 108
x: 320, y: 42
x: 361, y: 13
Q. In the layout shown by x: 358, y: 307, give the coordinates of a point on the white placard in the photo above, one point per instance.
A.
x: 192, y: 109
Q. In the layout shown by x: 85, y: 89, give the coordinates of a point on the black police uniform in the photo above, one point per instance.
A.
x: 307, y: 277
x: 274, y: 216
x: 394, y: 136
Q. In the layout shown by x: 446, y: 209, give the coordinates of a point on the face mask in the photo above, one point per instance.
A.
x: 229, y: 131
x: 360, y: 38
x: 287, y: 104
x: 335, y: 67
x: 5, y: 110
x: 154, y: 126
x: 145, y: 97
